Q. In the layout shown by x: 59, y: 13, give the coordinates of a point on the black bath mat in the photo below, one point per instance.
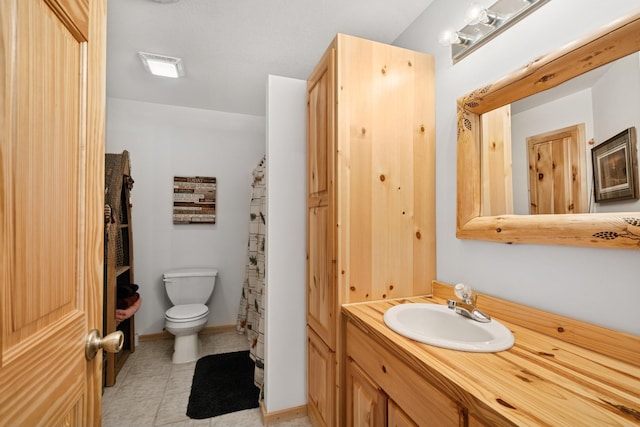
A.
x: 222, y: 383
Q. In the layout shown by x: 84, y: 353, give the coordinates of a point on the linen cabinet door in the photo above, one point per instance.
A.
x: 321, y: 292
x: 366, y: 402
x: 321, y: 381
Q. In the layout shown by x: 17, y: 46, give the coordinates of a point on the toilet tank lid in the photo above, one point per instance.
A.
x: 191, y: 272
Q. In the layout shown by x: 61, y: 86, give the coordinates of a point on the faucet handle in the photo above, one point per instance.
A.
x: 463, y: 292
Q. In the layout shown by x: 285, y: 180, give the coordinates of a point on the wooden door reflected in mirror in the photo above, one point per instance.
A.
x: 558, y: 172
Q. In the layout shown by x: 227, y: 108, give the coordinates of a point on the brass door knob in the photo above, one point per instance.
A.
x: 112, y: 343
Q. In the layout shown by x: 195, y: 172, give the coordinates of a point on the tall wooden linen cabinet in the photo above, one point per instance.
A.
x: 371, y: 196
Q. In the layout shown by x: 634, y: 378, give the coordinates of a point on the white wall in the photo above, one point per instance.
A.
x: 285, y: 347
x: 597, y: 285
x: 617, y: 98
x: 165, y: 141
x: 617, y: 107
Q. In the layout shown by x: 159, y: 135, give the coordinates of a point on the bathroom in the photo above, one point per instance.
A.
x: 600, y: 286
x: 595, y: 285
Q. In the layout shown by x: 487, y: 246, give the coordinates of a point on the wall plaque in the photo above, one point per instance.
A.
x: 194, y: 200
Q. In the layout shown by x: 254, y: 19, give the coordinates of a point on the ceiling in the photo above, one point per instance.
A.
x: 229, y: 47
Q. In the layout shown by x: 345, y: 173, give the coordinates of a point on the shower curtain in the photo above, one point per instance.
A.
x: 251, y: 311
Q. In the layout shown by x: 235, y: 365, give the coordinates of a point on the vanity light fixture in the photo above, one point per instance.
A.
x: 482, y: 24
x: 160, y: 65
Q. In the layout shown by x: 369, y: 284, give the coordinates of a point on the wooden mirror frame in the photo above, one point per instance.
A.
x: 602, y: 230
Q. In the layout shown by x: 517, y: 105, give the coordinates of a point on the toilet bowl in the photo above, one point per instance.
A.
x: 188, y: 289
x: 184, y: 322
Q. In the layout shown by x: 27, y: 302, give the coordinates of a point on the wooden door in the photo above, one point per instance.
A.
x: 51, y: 209
x: 557, y: 172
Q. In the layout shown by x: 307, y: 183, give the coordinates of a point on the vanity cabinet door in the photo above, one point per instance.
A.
x: 397, y: 418
x: 417, y: 397
x: 366, y: 402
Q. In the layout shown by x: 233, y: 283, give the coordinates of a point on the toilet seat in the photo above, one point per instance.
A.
x: 186, y: 313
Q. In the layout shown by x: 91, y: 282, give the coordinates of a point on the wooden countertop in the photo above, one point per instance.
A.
x: 541, y: 380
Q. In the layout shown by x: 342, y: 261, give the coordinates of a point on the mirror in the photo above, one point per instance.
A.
x: 553, y: 133
x: 548, y: 136
x: 607, y: 230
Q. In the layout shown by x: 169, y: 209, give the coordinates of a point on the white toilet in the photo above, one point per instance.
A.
x: 188, y: 289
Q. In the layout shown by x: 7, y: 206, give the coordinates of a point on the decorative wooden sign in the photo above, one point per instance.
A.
x: 194, y: 200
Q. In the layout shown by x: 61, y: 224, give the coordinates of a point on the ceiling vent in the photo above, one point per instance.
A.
x: 160, y: 65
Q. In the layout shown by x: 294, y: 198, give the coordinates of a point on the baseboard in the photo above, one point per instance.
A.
x: 155, y: 337
x: 218, y: 329
x: 164, y: 335
x: 269, y: 418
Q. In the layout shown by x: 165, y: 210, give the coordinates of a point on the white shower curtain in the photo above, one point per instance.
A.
x: 251, y: 311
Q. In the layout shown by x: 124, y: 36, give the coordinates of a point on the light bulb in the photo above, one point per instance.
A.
x: 477, y: 14
x: 472, y: 15
x: 449, y: 37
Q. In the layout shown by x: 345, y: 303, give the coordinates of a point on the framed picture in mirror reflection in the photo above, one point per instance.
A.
x: 615, y: 168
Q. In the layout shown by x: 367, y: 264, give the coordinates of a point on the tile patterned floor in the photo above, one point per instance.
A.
x: 152, y: 391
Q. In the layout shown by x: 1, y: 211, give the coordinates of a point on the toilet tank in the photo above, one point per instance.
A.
x: 190, y: 285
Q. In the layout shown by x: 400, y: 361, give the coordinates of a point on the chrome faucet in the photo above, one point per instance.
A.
x: 467, y: 304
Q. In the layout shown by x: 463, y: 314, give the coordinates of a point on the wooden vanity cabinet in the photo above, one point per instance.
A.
x: 371, y: 194
x: 410, y: 399
x: 558, y: 372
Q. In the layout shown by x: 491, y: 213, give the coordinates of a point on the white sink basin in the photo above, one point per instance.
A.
x: 440, y: 326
